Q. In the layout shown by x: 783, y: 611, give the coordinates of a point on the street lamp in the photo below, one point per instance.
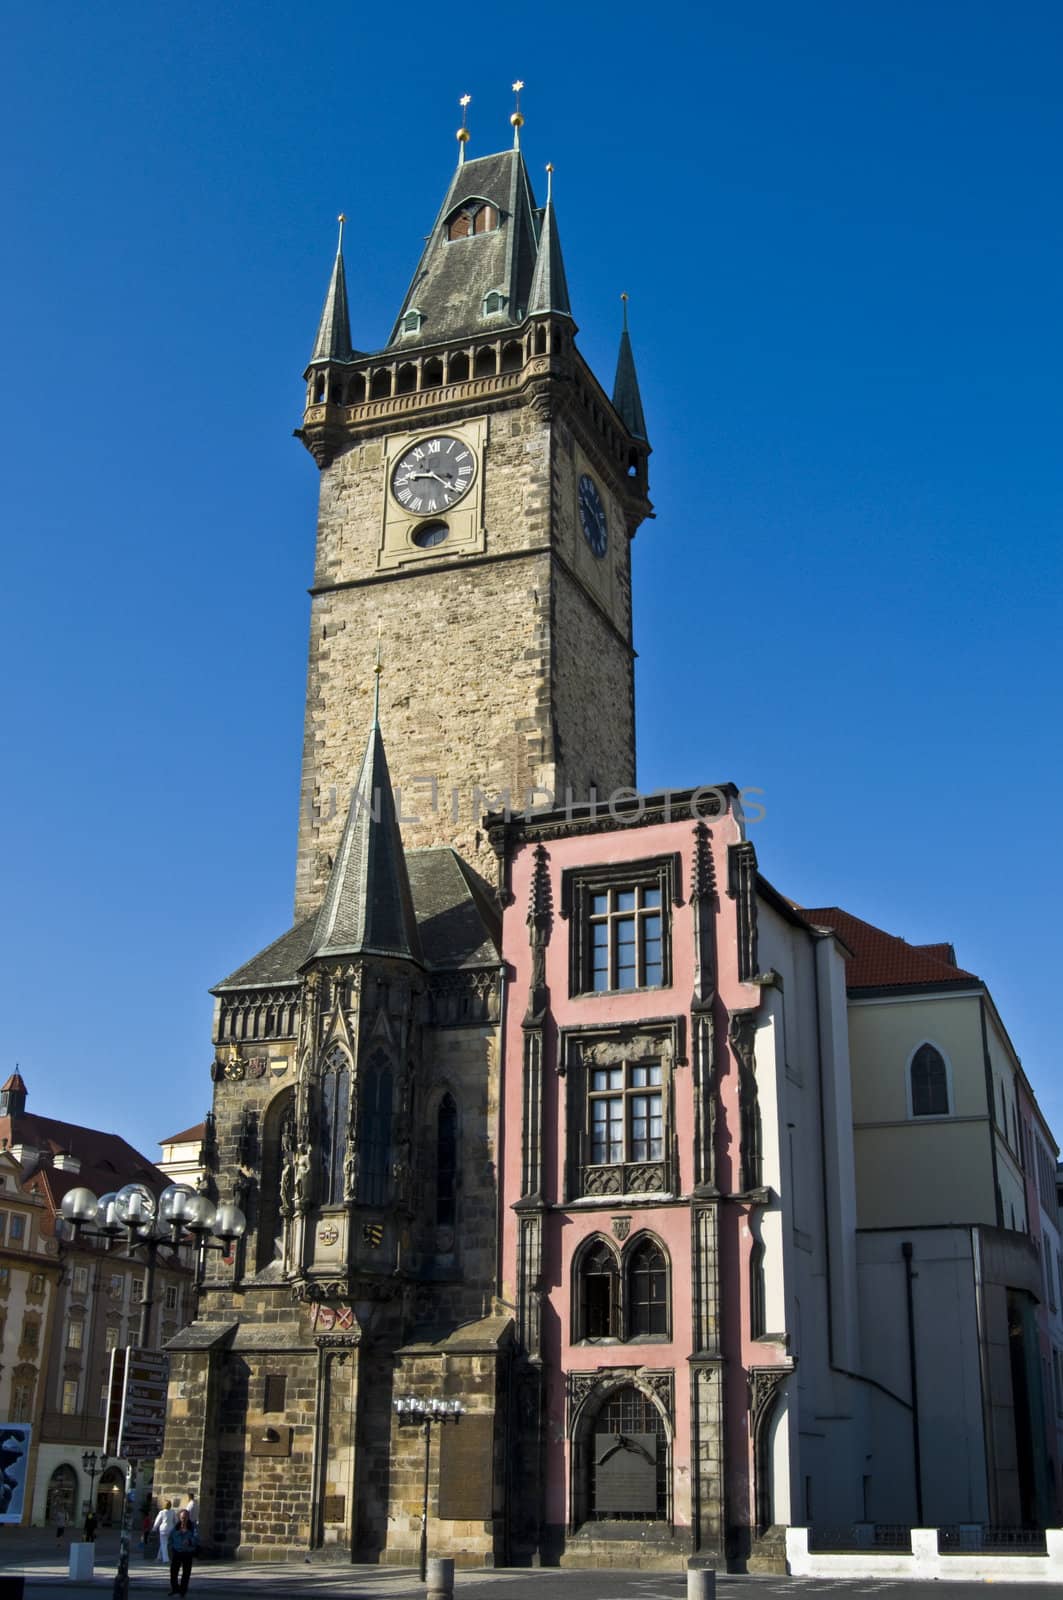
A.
x: 148, y: 1223
x: 92, y: 1466
x: 416, y: 1412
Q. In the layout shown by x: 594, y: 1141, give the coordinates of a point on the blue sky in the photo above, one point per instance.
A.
x: 840, y: 229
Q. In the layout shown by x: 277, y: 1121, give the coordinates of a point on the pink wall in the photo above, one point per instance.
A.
x: 565, y: 1232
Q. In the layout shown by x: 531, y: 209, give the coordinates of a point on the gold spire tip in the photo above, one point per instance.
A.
x: 462, y: 134
x: 341, y: 219
x: 549, y: 181
x: 517, y: 118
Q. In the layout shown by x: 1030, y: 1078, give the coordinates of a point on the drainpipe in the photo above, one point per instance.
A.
x: 917, y: 1462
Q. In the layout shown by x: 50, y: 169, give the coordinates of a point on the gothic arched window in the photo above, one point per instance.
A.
x: 446, y: 1162
x: 647, y: 1290
x: 930, y: 1083
x: 335, y: 1114
x: 374, y: 1133
x: 598, y: 1298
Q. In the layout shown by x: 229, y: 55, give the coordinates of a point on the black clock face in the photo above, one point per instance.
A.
x: 433, y: 474
x: 592, y: 516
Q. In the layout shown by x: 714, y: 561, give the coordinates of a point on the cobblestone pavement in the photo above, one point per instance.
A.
x: 32, y: 1553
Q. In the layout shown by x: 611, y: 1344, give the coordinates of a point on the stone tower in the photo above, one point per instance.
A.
x: 479, y: 493
x: 478, y: 496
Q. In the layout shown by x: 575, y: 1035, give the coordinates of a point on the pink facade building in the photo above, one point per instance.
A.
x: 677, y: 1188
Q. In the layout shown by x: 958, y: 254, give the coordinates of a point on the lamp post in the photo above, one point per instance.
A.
x: 93, y: 1465
x: 416, y: 1412
x: 147, y: 1224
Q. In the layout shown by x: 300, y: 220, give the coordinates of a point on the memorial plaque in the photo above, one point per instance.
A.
x: 334, y: 1508
x: 625, y: 1474
x: 466, y: 1469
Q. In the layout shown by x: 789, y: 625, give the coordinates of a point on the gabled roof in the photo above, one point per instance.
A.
x: 194, y: 1135
x: 881, y: 960
x: 453, y: 276
x: 107, y: 1162
x: 368, y: 908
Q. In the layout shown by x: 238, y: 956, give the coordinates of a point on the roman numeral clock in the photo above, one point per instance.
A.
x: 433, y: 494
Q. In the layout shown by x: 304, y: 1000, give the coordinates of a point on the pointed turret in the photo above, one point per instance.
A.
x: 368, y: 908
x: 333, y: 342
x: 626, y: 397
x: 549, y: 287
x: 13, y: 1096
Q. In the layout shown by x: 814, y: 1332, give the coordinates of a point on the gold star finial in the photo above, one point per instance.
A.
x: 517, y: 119
x: 462, y: 134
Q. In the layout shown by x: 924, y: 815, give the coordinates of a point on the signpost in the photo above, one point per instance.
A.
x: 136, y: 1421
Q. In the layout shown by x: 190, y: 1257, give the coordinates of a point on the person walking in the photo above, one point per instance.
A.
x: 164, y: 1526
x: 192, y: 1507
x: 60, y: 1523
x: 90, y: 1527
x: 183, y: 1546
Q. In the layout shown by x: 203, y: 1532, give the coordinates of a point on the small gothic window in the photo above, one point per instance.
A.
x: 319, y: 389
x: 411, y: 322
x: 598, y: 1293
x: 647, y: 1285
x: 930, y: 1084
x: 335, y: 1093
x: 374, y: 1168
x: 273, y: 1398
x: 493, y: 302
x: 459, y: 227
x: 459, y: 367
x: 757, y: 1322
x: 446, y: 1162
x: 485, y: 220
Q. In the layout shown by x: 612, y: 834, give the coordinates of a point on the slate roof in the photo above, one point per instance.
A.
x: 881, y: 960
x: 457, y: 924
x: 333, y: 342
x: 368, y: 907
x: 626, y: 397
x: 453, y: 276
x: 549, y: 286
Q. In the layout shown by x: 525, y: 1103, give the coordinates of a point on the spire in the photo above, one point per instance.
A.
x: 333, y: 342
x: 462, y: 134
x: 368, y: 908
x: 13, y: 1096
x: 626, y: 397
x: 549, y: 287
x: 517, y: 119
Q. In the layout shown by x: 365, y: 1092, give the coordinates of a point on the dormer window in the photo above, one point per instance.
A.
x: 494, y: 302
x: 412, y: 322
x: 475, y: 216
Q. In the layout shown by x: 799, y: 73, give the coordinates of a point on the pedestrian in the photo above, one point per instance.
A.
x: 145, y: 1529
x: 183, y: 1546
x: 164, y: 1526
x: 192, y: 1507
x: 60, y: 1523
x: 90, y: 1527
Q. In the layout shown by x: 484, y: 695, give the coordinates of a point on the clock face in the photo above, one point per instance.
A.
x: 592, y: 516
x: 433, y: 474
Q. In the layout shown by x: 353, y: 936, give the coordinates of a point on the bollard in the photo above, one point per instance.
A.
x: 81, y: 1562
x: 440, y: 1577
x: 701, y: 1583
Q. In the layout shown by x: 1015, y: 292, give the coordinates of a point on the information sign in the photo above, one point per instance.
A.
x: 136, y: 1404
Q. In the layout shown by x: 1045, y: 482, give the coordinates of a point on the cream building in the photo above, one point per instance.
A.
x: 951, y: 1286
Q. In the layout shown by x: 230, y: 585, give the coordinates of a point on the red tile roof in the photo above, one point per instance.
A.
x: 881, y: 960
x: 194, y: 1135
x: 107, y: 1161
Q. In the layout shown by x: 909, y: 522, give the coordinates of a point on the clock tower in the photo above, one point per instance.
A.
x: 479, y: 494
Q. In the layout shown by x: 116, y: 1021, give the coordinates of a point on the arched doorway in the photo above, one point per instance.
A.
x: 621, y: 1458
x: 62, y: 1494
x: 109, y: 1490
